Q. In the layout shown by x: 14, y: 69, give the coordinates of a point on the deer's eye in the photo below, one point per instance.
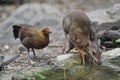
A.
x: 93, y: 53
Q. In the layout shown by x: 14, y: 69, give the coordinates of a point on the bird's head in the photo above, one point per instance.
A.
x: 46, y: 31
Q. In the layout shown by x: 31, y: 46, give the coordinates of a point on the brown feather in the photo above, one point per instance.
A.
x: 33, y: 37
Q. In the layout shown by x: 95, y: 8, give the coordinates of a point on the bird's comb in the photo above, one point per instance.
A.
x: 46, y: 29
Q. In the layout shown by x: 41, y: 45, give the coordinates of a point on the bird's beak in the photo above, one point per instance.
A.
x: 50, y: 31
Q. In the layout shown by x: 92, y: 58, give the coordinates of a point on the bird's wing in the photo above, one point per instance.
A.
x: 27, y: 32
x: 27, y: 42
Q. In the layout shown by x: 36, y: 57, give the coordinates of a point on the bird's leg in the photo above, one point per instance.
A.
x: 34, y: 53
x: 82, y: 55
x: 28, y: 52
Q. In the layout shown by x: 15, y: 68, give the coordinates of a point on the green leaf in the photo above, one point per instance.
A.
x: 118, y: 40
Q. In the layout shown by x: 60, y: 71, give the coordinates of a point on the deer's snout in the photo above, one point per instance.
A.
x: 99, y: 62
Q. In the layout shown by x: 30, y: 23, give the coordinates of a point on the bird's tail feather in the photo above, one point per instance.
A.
x: 16, y: 29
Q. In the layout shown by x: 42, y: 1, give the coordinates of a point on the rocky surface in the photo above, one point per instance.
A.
x: 6, y: 11
x: 45, y: 15
x: 87, y: 5
x: 106, y: 18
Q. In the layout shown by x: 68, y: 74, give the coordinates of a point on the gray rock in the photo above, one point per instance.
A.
x: 111, y: 54
x: 104, y: 15
x: 1, y: 60
x: 106, y: 18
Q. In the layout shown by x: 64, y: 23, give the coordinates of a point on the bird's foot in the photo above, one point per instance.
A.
x: 34, y: 57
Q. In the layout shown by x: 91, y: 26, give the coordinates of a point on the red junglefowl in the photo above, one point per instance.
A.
x: 81, y: 34
x: 32, y: 37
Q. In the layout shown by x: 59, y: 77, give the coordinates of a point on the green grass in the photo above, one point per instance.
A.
x: 47, y: 74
